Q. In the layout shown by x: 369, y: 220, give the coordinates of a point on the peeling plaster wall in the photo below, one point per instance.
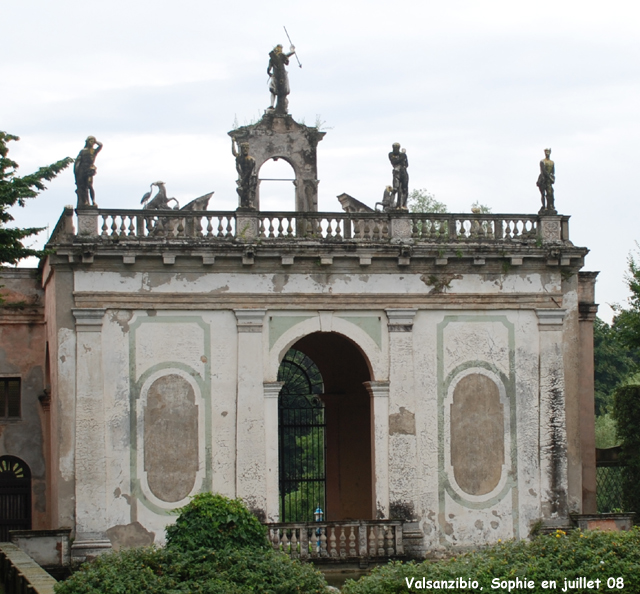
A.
x: 416, y: 358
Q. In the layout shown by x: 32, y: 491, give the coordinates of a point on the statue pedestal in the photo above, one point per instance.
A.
x: 246, y: 224
x: 87, y: 221
x: 550, y: 228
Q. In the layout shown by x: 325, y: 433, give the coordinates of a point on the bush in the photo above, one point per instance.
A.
x: 592, y: 555
x: 170, y: 571
x: 213, y: 521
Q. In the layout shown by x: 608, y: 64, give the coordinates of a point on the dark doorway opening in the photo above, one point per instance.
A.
x: 15, y: 496
x: 301, y: 439
x: 347, y: 433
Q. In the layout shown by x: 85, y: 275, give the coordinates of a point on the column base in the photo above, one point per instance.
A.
x: 86, y: 549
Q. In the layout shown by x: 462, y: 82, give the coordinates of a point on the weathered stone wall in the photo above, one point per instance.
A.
x: 22, y: 355
x: 166, y: 366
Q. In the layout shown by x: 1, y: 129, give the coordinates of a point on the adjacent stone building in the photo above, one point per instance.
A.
x: 454, y: 357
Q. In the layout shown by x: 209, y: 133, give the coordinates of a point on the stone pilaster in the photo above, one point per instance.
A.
x: 553, y: 430
x: 91, y: 450
x: 587, y: 310
x: 403, y: 455
x: 251, y: 483
x: 271, y: 393
x: 379, y: 392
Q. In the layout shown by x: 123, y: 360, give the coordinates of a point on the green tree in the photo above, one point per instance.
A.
x: 15, y: 190
x: 423, y: 201
x: 627, y: 321
x: 614, y: 362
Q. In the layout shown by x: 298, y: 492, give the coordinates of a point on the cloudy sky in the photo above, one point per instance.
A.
x: 473, y: 90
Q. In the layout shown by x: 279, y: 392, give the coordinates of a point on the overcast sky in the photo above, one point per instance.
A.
x: 473, y: 90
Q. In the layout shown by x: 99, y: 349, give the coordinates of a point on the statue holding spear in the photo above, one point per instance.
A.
x: 278, y: 77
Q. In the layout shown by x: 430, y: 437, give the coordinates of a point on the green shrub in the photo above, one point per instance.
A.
x: 170, y: 571
x: 213, y: 521
x: 592, y: 555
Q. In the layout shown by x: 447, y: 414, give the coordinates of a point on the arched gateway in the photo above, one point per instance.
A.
x: 325, y: 444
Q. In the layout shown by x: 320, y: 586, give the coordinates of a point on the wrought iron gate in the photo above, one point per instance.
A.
x: 15, y: 496
x: 301, y: 439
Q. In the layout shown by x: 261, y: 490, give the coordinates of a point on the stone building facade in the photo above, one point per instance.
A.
x: 455, y: 351
x: 456, y: 373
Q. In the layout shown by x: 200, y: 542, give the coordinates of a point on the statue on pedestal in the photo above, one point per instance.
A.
x: 545, y: 182
x: 247, y: 174
x: 84, y: 169
x: 400, y: 163
x: 278, y: 78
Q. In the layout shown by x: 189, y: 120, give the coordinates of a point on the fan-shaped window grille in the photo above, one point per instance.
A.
x: 15, y: 496
x: 301, y: 427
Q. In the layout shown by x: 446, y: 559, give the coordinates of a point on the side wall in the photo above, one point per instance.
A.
x: 22, y: 355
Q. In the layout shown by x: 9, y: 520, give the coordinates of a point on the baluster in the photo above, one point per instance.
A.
x: 114, y: 227
x: 339, y: 223
x: 180, y: 228
x: 304, y: 542
x: 122, y: 231
x: 209, y: 227
x: 131, y: 231
x: 329, y: 232
x: 230, y: 226
x: 389, y: 540
x: 104, y: 226
x: 376, y: 234
x: 220, y: 227
x: 352, y: 542
x: 275, y: 538
x: 333, y: 550
x: 343, y: 543
x: 380, y: 531
x: 357, y: 227
x: 290, y: 227
x: 271, y: 229
x: 323, y: 542
x: 285, y: 542
x: 507, y: 229
x: 372, y: 542
x: 516, y: 228
x: 294, y: 543
x: 280, y: 227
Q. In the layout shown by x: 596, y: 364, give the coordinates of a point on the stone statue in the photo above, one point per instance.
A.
x: 400, y: 163
x: 247, y: 174
x: 84, y: 169
x: 278, y: 78
x: 160, y: 201
x: 545, y: 182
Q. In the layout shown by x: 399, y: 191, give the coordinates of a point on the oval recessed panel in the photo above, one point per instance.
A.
x: 171, y: 438
x: 477, y: 434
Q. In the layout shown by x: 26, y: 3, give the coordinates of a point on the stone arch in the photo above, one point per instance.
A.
x: 347, y: 417
x: 376, y: 356
x: 280, y: 136
x: 269, y: 188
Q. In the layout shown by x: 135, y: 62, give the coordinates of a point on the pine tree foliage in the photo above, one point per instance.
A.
x: 16, y: 190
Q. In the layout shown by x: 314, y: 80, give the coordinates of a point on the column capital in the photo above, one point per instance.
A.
x: 550, y: 319
x: 249, y: 320
x: 400, y: 319
x: 89, y: 319
x: 272, y: 389
x: 377, y: 389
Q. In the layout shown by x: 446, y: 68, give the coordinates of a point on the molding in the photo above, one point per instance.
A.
x: 89, y: 319
x: 550, y: 319
x: 400, y: 319
x: 272, y: 389
x: 250, y: 320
